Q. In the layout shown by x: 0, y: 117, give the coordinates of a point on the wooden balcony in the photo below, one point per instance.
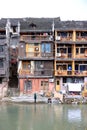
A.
x: 81, y: 38
x: 70, y: 73
x: 64, y: 55
x: 64, y: 39
x: 33, y: 73
x: 70, y: 55
x: 61, y: 73
x: 37, y: 54
x: 36, y: 38
x: 81, y: 56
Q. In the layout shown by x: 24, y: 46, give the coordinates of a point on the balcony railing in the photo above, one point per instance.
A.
x: 62, y: 38
x: 37, y: 54
x: 70, y: 55
x: 70, y: 73
x: 81, y: 38
x: 36, y: 37
x: 79, y: 56
x: 40, y: 72
x: 64, y: 55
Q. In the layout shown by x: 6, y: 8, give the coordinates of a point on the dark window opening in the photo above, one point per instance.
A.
x: 0, y: 80
x: 1, y: 48
x: 82, y: 50
x: 83, y: 67
x: 61, y: 50
x: 57, y: 82
x: 83, y: 34
x: 64, y: 80
x: 14, y: 29
x: 76, y: 67
x: 77, y: 51
x: 64, y: 34
x: 32, y: 25
x: 1, y: 63
x: 77, y: 34
x: 28, y: 85
x: 36, y: 44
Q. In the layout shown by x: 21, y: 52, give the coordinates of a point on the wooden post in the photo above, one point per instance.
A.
x: 73, y: 67
x: 74, y: 35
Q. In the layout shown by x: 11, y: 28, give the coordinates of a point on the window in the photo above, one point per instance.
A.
x: 77, y: 51
x: 26, y: 65
x: 65, y: 50
x: 28, y: 85
x: 1, y: 48
x: 14, y: 29
x: 57, y: 82
x: 64, y: 34
x: 64, y: 80
x: 46, y: 47
x: 1, y: 63
x: 83, y: 34
x: 83, y: 67
x: 39, y: 65
x: 0, y: 80
x: 61, y: 50
x: 44, y: 85
x: 36, y: 44
x: 82, y: 50
x: 77, y: 34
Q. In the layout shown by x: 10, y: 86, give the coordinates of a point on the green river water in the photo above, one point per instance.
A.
x: 43, y: 117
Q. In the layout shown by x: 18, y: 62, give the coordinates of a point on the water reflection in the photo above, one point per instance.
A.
x: 74, y: 115
x: 43, y: 117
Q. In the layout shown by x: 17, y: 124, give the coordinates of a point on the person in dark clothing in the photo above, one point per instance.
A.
x: 35, y: 97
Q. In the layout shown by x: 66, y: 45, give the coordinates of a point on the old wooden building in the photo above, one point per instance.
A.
x: 9, y: 35
x: 45, y: 55
x: 71, y: 56
x: 4, y: 62
x: 53, y: 58
x: 36, y: 57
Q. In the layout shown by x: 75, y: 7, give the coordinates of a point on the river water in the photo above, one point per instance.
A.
x: 43, y: 117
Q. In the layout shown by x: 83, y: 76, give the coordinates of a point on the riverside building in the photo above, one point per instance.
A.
x: 52, y: 56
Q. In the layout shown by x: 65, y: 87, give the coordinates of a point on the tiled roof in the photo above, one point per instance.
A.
x: 42, y: 24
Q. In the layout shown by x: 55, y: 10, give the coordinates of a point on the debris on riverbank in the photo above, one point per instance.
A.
x: 30, y: 99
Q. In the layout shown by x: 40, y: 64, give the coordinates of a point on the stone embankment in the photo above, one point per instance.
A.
x: 40, y: 99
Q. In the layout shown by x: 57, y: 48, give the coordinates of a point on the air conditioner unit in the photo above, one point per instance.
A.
x: 58, y: 54
x: 36, y: 48
x: 58, y: 38
x: 41, y: 66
